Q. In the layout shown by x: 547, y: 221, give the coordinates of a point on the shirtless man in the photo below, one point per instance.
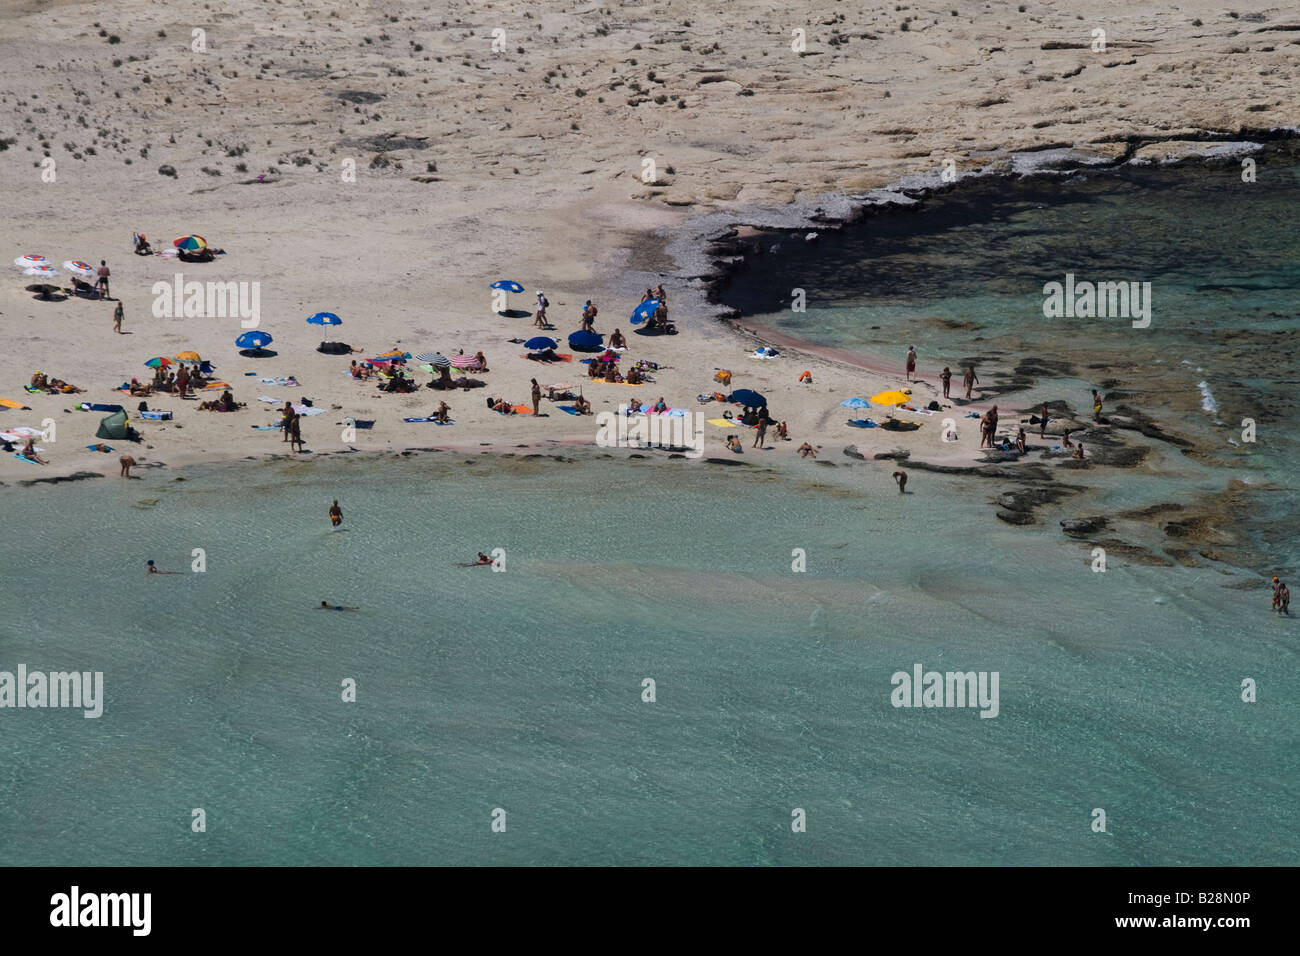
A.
x: 154, y: 569
x: 336, y: 514
x: 326, y: 606
x: 807, y: 451
x: 901, y: 478
x: 441, y: 413
x: 616, y: 341
x: 127, y: 462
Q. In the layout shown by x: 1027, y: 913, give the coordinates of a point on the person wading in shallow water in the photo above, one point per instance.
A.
x: 969, y: 379
x: 336, y: 514
x: 1281, y: 597
x: 901, y: 478
x: 911, y: 362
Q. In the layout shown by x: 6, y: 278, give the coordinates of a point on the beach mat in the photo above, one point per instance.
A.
x: 266, y: 428
x: 427, y: 420
x: 522, y: 409
x: 863, y: 423
x: 216, y: 385
x: 629, y: 384
x: 570, y: 409
x: 10, y: 403
x: 107, y: 448
x: 559, y: 357
x: 722, y: 422
x: 28, y: 460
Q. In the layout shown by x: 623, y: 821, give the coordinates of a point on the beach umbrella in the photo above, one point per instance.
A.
x: 324, y: 318
x: 507, y: 285
x: 539, y: 342
x: 77, y: 267
x: 391, y: 355
x: 188, y: 357
x: 190, y: 243
x: 436, y: 359
x: 644, y: 311
x: 855, y: 403
x: 24, y: 262
x: 892, y: 397
x: 253, y: 340
x: 466, y: 362
x: 586, y: 341
x: 560, y: 386
x: 747, y: 396
x: 42, y: 272
x: 158, y: 362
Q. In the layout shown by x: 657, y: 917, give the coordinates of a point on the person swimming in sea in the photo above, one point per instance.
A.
x: 154, y: 569
x: 336, y: 514
x: 1281, y: 597
x: 326, y: 606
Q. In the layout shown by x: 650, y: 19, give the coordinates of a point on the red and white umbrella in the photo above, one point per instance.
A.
x: 24, y: 262
x: 41, y: 272
x: 79, y: 268
x: 468, y: 362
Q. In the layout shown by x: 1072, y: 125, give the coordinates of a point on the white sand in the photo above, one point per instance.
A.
x: 533, y: 182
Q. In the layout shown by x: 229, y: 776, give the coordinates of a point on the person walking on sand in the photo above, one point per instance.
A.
x: 760, y: 433
x: 969, y: 380
x: 336, y: 514
x: 1042, y: 423
x: 911, y: 362
x: 1096, y: 406
x: 117, y: 317
x: 901, y: 478
x: 946, y: 377
x: 537, y: 397
x: 102, y: 283
x: 539, y: 319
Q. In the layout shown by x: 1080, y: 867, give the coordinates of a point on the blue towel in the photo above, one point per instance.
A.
x: 107, y: 448
x: 570, y: 409
x: 863, y: 423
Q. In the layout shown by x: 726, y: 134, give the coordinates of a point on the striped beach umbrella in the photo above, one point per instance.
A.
x: 24, y: 262
x: 79, y: 268
x: 469, y: 362
x: 436, y: 359
x: 41, y: 272
x: 190, y: 243
x: 158, y: 362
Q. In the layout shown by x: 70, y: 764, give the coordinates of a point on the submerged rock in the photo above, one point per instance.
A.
x: 1084, y: 526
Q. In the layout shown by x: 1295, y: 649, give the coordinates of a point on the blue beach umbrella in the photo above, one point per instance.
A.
x: 585, y: 341
x: 253, y: 340
x: 855, y: 403
x: 324, y: 318
x: 507, y: 285
x: 644, y: 311
x: 747, y: 396
x: 539, y: 342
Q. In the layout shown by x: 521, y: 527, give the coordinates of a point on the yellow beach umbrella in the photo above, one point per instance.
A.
x: 188, y: 357
x: 893, y: 397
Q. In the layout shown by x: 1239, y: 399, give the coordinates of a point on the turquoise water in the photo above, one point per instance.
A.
x: 522, y: 690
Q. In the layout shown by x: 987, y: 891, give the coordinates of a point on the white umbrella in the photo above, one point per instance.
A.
x: 42, y: 272
x: 79, y: 268
x: 23, y: 262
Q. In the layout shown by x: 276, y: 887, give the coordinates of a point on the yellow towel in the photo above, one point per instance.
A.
x: 722, y: 422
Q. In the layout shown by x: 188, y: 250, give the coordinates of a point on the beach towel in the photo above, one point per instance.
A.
x: 212, y: 385
x: 570, y: 409
x: 972, y: 414
x: 157, y: 416
x: 427, y: 420
x: 267, y: 398
x: 307, y: 411
x: 559, y: 357
x: 267, y: 428
x: 107, y: 448
x: 21, y: 432
x: 522, y: 409
x: 33, y: 388
x: 863, y: 423
x: 28, y: 460
x: 293, y: 382
x: 10, y: 403
x: 631, y: 384
x: 722, y: 422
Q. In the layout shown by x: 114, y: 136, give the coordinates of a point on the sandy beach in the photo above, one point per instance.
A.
x: 386, y: 165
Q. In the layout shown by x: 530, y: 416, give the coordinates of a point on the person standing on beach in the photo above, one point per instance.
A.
x: 1281, y: 597
x: 946, y: 377
x: 336, y: 514
x: 901, y: 478
x: 286, y: 420
x: 539, y: 319
x: 117, y: 317
x: 969, y: 380
x: 295, y: 432
x: 760, y: 433
x: 1096, y: 406
x: 102, y: 283
x: 126, y: 461
x: 537, y: 397
x: 911, y: 362
x: 1042, y: 423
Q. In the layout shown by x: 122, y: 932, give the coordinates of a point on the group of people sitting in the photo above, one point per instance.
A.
x: 226, y: 403
x: 607, y: 369
x: 54, y: 386
x: 397, y: 381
